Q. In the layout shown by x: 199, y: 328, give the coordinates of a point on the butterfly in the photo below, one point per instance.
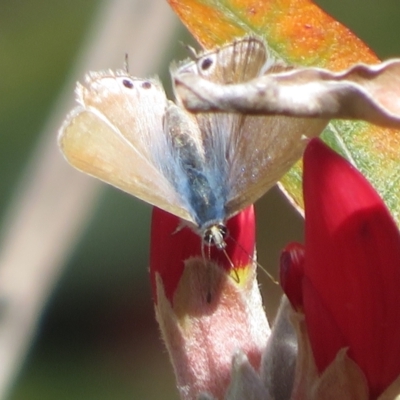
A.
x: 203, y: 168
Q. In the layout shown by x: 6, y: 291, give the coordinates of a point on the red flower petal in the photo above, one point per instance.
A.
x: 352, y: 268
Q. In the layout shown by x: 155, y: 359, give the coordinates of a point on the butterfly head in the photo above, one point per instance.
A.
x: 214, y: 235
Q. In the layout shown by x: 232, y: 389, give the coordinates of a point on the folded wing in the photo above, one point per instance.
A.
x: 116, y: 134
x: 251, y: 153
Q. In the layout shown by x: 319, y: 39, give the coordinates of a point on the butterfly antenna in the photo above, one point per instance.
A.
x: 126, y: 63
x: 236, y: 279
x: 258, y: 264
x: 266, y: 272
x: 191, y: 50
x: 202, y: 251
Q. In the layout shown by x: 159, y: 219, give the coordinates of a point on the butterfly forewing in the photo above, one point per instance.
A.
x: 113, y: 136
x: 125, y: 102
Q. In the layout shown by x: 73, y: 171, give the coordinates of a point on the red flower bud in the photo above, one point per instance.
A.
x: 208, y: 304
x: 350, y: 284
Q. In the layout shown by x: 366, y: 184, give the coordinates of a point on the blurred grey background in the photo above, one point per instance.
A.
x: 97, y: 337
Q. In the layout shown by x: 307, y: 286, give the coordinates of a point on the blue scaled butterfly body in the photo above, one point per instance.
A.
x: 204, y: 168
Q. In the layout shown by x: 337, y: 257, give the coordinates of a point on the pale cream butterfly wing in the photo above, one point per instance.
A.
x: 116, y: 134
x: 251, y: 152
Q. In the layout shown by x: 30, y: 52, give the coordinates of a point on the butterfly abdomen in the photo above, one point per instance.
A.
x: 194, y: 178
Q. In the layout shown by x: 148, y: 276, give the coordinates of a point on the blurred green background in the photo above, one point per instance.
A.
x: 97, y: 337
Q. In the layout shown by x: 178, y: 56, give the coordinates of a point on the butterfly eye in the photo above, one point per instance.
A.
x: 127, y: 83
x: 215, y: 235
x: 206, y: 64
x: 146, y: 85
